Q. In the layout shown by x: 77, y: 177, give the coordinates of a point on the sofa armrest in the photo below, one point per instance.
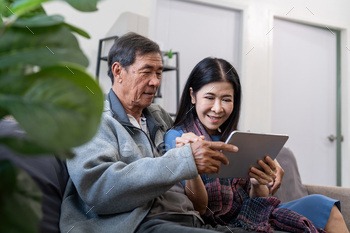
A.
x: 339, y: 193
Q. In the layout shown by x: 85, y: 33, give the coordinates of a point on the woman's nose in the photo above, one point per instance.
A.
x: 217, y: 107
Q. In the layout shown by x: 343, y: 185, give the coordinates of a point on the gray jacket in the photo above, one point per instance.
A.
x: 115, y: 177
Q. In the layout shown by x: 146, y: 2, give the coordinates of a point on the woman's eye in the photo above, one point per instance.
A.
x: 209, y: 98
x: 227, y: 100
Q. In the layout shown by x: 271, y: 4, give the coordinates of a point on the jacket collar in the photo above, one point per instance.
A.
x: 119, y: 114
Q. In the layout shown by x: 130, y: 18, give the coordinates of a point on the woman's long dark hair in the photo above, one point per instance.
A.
x: 207, y: 71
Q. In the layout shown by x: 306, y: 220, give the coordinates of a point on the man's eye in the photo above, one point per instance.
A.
x: 209, y: 98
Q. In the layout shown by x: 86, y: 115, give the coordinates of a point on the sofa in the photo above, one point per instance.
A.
x: 51, y: 175
x: 292, y: 187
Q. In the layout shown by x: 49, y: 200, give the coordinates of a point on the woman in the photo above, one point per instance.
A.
x: 209, y: 110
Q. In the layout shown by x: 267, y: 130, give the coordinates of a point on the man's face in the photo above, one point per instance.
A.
x: 137, y: 84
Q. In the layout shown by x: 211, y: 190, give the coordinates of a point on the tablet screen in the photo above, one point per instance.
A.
x: 251, y: 148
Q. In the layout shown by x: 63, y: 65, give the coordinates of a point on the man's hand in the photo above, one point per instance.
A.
x: 207, y: 156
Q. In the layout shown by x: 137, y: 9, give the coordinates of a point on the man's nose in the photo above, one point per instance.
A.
x: 155, y: 80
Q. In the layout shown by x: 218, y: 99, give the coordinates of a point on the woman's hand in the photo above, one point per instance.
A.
x: 196, y: 192
x: 276, y: 184
x: 260, y: 178
x: 187, y: 138
x: 268, y: 172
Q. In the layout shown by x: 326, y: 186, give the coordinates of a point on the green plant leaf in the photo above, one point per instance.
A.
x: 54, y: 106
x: 3, y: 113
x: 169, y: 54
x: 30, y: 24
x: 4, y: 11
x: 83, y: 5
x: 8, y: 178
x: 21, y: 209
x: 41, y: 46
x: 78, y: 30
x: 20, y: 7
x: 24, y: 146
x: 10, y: 84
x: 38, y: 21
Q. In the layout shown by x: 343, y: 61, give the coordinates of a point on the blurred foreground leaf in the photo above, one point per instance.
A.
x: 83, y: 5
x: 20, y: 201
x: 54, y: 106
x: 39, y: 46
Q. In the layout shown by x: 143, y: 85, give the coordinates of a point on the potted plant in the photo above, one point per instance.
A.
x: 44, y: 86
x: 169, y: 58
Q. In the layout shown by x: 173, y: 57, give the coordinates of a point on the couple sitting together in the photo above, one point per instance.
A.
x: 131, y: 178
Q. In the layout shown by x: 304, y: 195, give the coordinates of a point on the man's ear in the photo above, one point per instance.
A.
x: 117, y: 70
x: 193, y: 99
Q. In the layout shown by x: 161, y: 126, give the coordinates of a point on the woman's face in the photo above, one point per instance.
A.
x: 214, y: 104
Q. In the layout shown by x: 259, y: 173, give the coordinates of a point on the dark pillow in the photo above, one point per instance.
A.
x: 292, y: 187
x: 48, y: 172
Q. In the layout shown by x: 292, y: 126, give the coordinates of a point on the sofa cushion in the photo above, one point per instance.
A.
x: 292, y: 187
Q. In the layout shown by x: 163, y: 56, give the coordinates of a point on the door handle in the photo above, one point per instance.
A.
x: 332, y: 138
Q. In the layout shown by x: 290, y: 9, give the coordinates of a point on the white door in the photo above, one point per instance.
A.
x: 195, y: 31
x: 304, y: 96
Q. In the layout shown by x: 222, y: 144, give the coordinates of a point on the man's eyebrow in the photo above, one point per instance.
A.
x: 147, y: 66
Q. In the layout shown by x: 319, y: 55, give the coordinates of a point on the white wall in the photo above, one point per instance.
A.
x: 97, y: 24
x: 256, y: 51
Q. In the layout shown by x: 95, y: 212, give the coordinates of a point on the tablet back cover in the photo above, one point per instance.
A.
x: 251, y: 148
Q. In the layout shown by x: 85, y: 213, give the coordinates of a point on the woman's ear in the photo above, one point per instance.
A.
x: 116, y: 70
x: 193, y: 99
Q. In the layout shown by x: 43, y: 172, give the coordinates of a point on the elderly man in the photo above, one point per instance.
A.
x: 122, y: 180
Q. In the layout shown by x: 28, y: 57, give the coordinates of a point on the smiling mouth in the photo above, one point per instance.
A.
x: 214, y: 118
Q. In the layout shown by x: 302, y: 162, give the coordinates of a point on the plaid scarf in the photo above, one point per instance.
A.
x: 229, y: 202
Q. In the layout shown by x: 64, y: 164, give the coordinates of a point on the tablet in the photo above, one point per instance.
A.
x: 251, y: 148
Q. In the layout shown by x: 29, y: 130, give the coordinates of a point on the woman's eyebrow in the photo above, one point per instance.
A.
x: 227, y: 96
x: 210, y: 93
